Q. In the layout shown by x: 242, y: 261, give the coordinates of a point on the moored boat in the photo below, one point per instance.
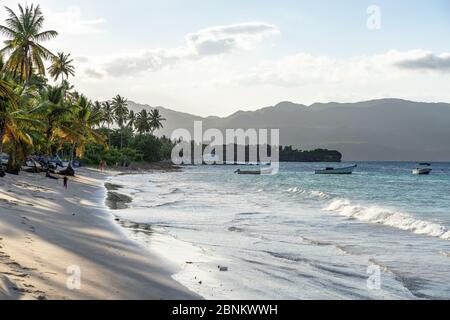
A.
x: 261, y: 171
x: 423, y: 169
x: 257, y: 172
x: 330, y: 170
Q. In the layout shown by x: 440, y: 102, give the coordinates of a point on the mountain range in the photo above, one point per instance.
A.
x: 377, y: 130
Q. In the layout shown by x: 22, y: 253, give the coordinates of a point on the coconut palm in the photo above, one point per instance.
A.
x: 61, y: 66
x: 24, y: 44
x: 121, y: 113
x: 8, y: 107
x: 97, y: 107
x: 12, y: 133
x: 52, y: 111
x: 142, y: 122
x: 156, y: 120
x: 108, y: 117
x: 131, y: 120
x: 79, y: 128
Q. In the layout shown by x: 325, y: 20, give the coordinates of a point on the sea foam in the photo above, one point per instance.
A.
x: 311, y: 193
x: 384, y: 216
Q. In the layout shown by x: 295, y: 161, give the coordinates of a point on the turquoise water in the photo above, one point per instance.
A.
x: 297, y: 235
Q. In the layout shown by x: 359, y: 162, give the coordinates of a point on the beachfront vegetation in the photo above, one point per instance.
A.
x: 47, y: 117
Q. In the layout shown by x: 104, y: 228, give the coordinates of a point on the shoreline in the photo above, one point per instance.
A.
x: 48, y: 235
x: 210, y: 275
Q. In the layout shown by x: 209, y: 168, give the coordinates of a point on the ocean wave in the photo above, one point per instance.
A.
x: 311, y: 193
x: 288, y: 257
x: 319, y: 243
x: 413, y: 284
x: 163, y: 205
x: 380, y: 215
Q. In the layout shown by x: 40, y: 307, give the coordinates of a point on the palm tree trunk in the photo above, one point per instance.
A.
x: 2, y: 133
x: 28, y: 69
x: 121, y: 138
x: 72, y: 152
x: 109, y: 136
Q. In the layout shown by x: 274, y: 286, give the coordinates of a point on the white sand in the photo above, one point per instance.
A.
x: 45, y: 229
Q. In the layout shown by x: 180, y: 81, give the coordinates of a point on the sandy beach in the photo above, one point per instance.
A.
x: 49, y: 234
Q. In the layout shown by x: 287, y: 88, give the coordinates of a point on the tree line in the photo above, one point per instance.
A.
x: 37, y: 117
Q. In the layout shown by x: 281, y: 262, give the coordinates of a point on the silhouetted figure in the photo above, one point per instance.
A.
x: 66, y: 182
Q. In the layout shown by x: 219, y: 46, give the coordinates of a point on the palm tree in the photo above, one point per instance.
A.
x: 53, y: 111
x: 97, y: 107
x: 108, y: 117
x: 143, y: 122
x: 156, y: 120
x: 121, y: 114
x: 61, y: 66
x: 12, y: 133
x: 24, y: 44
x: 8, y: 105
x: 131, y: 120
x: 79, y: 129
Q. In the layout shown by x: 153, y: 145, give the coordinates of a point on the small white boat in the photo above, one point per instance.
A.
x: 346, y: 170
x: 261, y: 171
x: 423, y: 169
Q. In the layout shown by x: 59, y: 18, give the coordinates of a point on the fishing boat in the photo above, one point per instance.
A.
x: 423, y: 169
x: 257, y: 172
x: 330, y: 170
x: 261, y: 171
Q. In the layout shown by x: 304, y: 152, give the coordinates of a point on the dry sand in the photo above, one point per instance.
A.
x: 44, y: 230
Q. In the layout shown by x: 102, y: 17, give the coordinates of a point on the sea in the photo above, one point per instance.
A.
x: 381, y: 233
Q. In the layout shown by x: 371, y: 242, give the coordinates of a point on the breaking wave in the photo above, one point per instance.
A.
x: 311, y: 193
x: 380, y: 215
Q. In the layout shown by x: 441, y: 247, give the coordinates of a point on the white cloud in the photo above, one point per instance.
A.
x: 223, y: 39
x: 71, y: 22
x: 207, y: 42
x: 218, y: 84
x: 301, y: 69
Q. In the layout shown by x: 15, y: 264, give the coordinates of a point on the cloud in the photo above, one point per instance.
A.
x: 91, y: 73
x: 147, y: 60
x: 426, y: 61
x: 71, y: 22
x: 214, y: 41
x: 82, y: 59
x: 305, y: 69
x: 224, y: 39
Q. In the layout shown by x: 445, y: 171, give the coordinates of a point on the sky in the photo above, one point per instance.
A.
x: 216, y: 57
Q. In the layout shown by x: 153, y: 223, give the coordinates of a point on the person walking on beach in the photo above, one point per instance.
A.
x: 66, y: 181
x: 102, y: 165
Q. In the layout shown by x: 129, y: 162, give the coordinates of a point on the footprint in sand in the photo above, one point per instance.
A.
x: 13, y: 283
x: 26, y: 222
